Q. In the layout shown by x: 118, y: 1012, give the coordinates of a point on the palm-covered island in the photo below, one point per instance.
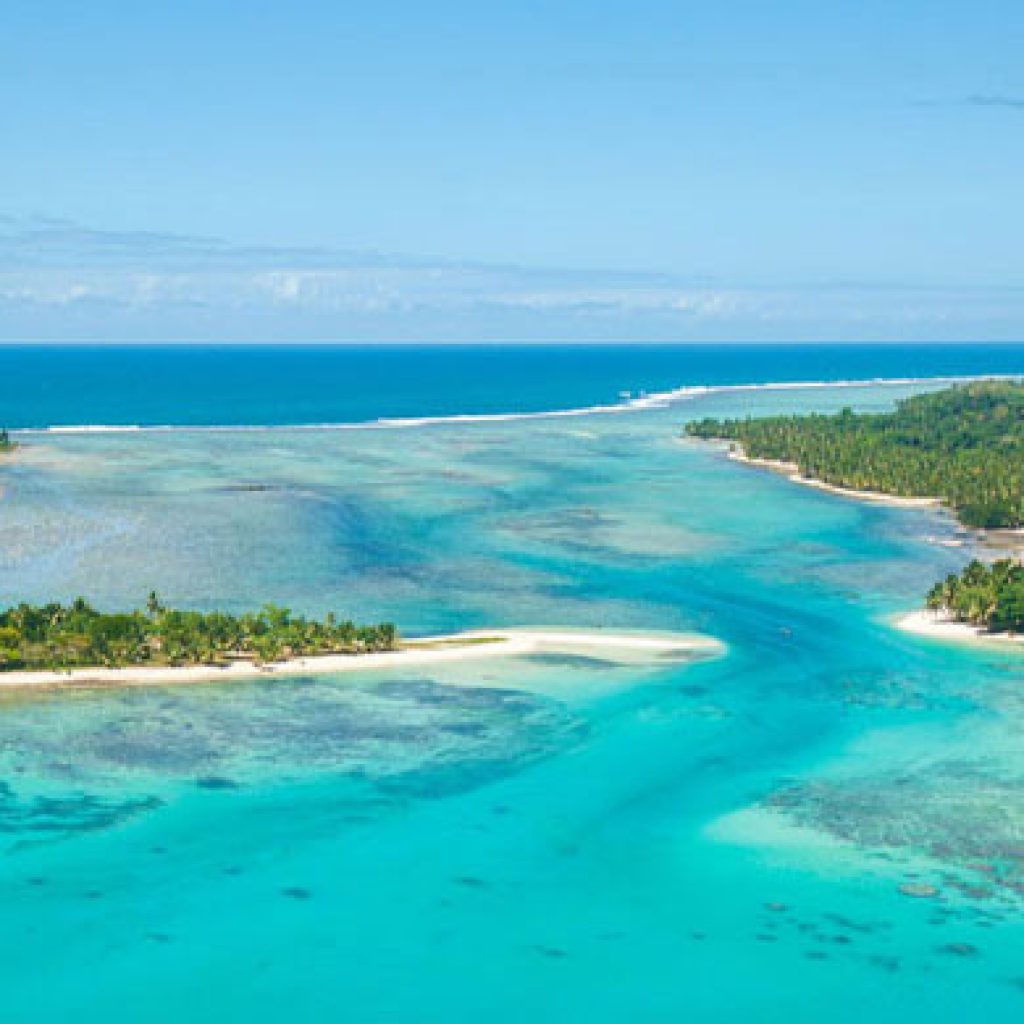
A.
x: 964, y: 444
x: 988, y: 596
x: 57, y: 636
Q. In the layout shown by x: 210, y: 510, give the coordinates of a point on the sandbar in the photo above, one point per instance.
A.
x: 625, y: 648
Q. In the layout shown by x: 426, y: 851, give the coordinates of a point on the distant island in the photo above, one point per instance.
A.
x: 963, y: 445
x: 57, y: 636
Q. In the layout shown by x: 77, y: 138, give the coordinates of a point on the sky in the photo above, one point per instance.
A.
x: 211, y: 170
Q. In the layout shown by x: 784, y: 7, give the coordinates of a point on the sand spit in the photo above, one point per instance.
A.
x: 626, y: 648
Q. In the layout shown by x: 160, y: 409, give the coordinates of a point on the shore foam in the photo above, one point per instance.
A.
x: 654, y: 400
x: 625, y: 648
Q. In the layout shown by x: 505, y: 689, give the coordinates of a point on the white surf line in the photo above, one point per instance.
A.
x: 655, y: 400
x: 468, y: 646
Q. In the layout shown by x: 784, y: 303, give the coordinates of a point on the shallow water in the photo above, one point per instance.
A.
x: 537, y: 838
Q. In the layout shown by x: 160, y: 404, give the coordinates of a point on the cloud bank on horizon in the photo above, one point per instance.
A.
x: 652, y: 171
x: 62, y: 281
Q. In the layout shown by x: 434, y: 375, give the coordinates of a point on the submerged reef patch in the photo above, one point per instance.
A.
x: 409, y: 737
x: 35, y: 818
x: 966, y: 817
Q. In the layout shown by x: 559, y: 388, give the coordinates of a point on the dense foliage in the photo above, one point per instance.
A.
x: 964, y: 444
x: 991, y: 596
x: 65, y: 636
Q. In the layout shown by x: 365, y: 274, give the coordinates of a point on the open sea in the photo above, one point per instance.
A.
x: 537, y: 838
x: 43, y: 386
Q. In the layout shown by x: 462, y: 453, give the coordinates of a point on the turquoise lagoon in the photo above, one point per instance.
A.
x: 543, y: 838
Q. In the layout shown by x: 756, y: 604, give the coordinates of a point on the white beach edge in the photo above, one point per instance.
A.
x: 467, y: 646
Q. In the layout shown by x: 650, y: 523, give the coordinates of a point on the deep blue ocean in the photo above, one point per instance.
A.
x: 44, y: 386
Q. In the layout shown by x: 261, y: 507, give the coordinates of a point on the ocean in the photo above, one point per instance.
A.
x: 42, y: 386
x: 543, y: 838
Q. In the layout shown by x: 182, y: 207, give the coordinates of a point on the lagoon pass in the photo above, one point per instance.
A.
x: 824, y: 817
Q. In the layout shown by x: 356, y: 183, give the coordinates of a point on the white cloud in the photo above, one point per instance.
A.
x: 63, y: 281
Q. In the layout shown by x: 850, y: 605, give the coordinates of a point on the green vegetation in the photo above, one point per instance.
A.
x: 964, y: 444
x: 6, y: 444
x: 56, y: 636
x: 990, y: 596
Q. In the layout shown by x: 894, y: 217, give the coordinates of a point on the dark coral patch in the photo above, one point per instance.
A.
x: 215, y: 782
x: 964, y: 949
x: 551, y: 952
x: 885, y: 963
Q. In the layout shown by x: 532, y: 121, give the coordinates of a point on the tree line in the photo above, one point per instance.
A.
x: 58, y: 636
x: 990, y: 596
x: 964, y: 444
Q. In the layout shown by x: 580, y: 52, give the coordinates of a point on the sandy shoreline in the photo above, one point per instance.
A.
x: 1003, y: 541
x: 792, y: 472
x: 627, y: 648
x: 922, y: 622
x: 998, y: 542
x: 940, y: 627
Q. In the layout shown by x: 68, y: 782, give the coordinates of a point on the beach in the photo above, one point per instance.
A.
x: 925, y: 622
x: 1004, y: 542
x: 792, y: 472
x: 624, y: 648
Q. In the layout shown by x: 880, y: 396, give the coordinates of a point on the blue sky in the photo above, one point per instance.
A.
x: 530, y: 171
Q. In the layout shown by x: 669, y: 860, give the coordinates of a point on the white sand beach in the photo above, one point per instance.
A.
x: 933, y: 624
x: 1004, y: 543
x: 792, y: 472
x: 625, y: 648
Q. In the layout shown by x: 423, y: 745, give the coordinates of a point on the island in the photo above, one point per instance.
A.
x: 58, y: 645
x: 990, y: 597
x: 981, y: 603
x: 58, y: 636
x: 962, y: 446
